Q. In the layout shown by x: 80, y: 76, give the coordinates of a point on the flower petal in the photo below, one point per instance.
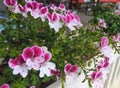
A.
x: 24, y: 71
x: 47, y: 56
x: 93, y: 75
x: 37, y: 51
x: 41, y: 74
x: 51, y: 65
x: 74, y: 68
x: 104, y: 41
x: 27, y: 53
x: 16, y: 70
x: 12, y: 63
x: 67, y: 68
x: 99, y: 74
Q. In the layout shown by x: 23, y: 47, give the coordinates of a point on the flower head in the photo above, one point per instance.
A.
x: 10, y: 3
x: 5, y: 85
x: 19, y: 66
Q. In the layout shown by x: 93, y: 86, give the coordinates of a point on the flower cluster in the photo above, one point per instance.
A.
x: 37, y: 58
x: 56, y: 16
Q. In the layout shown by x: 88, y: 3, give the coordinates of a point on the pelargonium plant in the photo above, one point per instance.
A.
x: 41, y: 44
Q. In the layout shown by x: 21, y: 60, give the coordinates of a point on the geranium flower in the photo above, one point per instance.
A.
x: 71, y: 72
x: 21, y: 9
x: 68, y: 21
x: 53, y: 7
x: 102, y: 23
x: 46, y: 66
x: 32, y: 56
x: 5, y: 85
x: 19, y: 66
x: 43, y: 13
x: 10, y: 3
x: 54, y: 21
x: 96, y: 75
x: 103, y: 63
x: 33, y: 7
x: 62, y: 7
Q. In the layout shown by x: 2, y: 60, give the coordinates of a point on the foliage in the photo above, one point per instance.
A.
x: 112, y: 20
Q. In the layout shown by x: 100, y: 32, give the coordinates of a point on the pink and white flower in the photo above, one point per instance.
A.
x: 33, y: 7
x: 71, y: 72
x: 62, y: 7
x: 43, y: 13
x: 102, y: 23
x: 54, y: 21
x: 53, y: 7
x: 19, y: 66
x: 103, y: 63
x: 5, y: 85
x: 10, y: 3
x: 21, y: 9
x: 33, y: 57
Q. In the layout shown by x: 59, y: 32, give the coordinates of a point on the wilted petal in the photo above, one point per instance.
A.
x: 27, y: 53
x: 37, y: 51
x: 5, y: 85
